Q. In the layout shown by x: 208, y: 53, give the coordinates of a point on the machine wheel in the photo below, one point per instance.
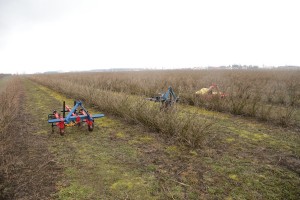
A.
x: 91, y: 127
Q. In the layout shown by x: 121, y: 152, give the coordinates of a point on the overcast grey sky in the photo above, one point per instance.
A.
x: 46, y: 35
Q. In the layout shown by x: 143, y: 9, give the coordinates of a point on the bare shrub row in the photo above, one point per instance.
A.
x: 268, y: 95
x: 9, y: 101
x: 9, y: 105
x: 187, y: 129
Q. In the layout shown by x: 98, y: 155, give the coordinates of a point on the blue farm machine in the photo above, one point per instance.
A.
x: 76, y: 116
x: 167, y: 99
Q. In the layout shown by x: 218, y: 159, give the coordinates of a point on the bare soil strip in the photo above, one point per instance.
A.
x: 28, y: 170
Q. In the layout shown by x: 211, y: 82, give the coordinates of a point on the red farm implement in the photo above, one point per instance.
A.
x: 76, y: 116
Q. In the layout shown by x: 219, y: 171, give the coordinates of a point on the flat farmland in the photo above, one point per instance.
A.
x: 246, y: 146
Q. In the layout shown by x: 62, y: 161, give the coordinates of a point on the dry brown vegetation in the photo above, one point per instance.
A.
x: 27, y: 169
x: 9, y: 105
x: 269, y: 95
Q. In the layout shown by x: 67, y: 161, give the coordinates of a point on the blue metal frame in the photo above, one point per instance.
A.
x: 171, y: 92
x: 166, y: 97
x: 70, y: 118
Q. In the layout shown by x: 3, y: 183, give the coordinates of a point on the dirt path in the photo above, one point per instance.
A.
x: 243, y: 160
x: 27, y: 168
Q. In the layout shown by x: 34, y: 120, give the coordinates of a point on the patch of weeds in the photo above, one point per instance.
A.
x: 120, y: 135
x: 193, y: 153
x: 204, y: 112
x: 132, y: 188
x: 249, y: 135
x: 106, y: 122
x: 229, y: 140
x: 242, y: 179
x: 151, y: 167
x: 233, y: 177
x: 75, y: 191
x: 146, y: 139
x: 134, y: 142
x: 173, y: 151
x: 262, y: 139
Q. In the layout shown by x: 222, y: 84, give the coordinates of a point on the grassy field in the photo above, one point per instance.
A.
x: 138, y: 152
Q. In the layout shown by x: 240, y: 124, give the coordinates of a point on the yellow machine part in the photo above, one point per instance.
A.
x: 71, y: 124
x: 206, y: 91
x: 203, y: 91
